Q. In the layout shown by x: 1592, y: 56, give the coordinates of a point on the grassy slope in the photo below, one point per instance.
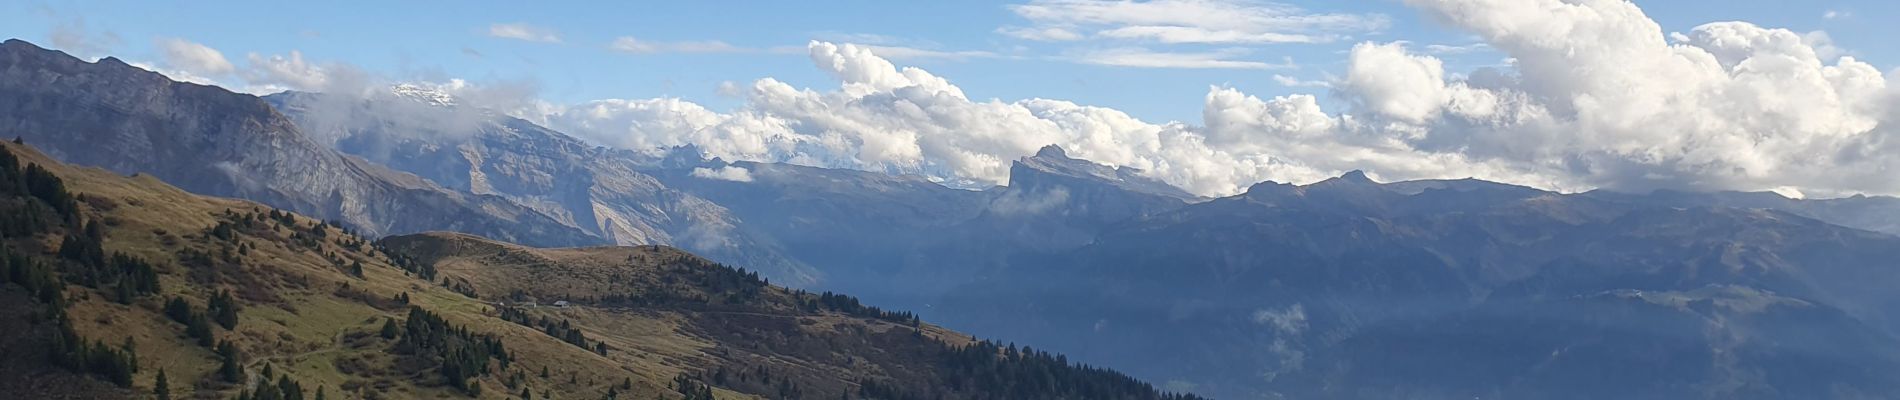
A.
x: 292, y: 317
x: 824, y: 352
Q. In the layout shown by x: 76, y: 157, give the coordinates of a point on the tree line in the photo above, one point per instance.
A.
x: 460, y: 354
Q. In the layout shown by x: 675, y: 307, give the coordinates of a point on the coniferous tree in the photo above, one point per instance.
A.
x: 389, y: 329
x: 161, y: 389
x: 223, y: 309
x: 229, y: 367
x: 198, y: 328
x: 131, y: 350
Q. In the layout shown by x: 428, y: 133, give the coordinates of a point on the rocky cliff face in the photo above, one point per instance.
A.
x: 481, y: 153
x: 1055, y: 202
x: 212, y: 141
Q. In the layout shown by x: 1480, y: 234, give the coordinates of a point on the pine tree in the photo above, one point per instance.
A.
x: 131, y: 350
x: 223, y: 308
x: 389, y: 329
x: 291, y: 390
x: 229, y: 368
x: 178, y: 310
x: 197, y: 327
x: 161, y: 389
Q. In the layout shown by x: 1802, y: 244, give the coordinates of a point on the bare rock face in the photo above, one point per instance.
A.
x: 208, y: 140
x: 480, y: 153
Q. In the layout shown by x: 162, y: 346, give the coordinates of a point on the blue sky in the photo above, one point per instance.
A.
x: 438, y: 39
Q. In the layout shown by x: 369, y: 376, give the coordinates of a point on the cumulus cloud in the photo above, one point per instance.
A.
x: 1597, y: 95
x: 1186, y: 21
x: 1600, y: 95
x: 906, y: 120
x: 522, y: 31
x: 195, y: 58
x: 727, y: 173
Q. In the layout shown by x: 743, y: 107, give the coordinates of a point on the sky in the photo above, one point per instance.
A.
x: 1210, y: 95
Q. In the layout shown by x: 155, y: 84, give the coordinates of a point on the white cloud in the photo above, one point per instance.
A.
x: 726, y: 173
x: 267, y: 74
x: 195, y: 58
x: 1595, y: 96
x: 285, y: 72
x: 1289, y: 81
x: 1837, y: 14
x: 522, y: 31
x: 1601, y: 97
x: 1188, y: 34
x: 1044, y: 34
x: 1823, y: 45
x: 1187, y: 21
x: 1444, y: 49
x: 1394, y: 83
x: 629, y: 44
x: 1145, y: 58
x: 886, y: 47
x: 906, y: 120
x: 913, y: 53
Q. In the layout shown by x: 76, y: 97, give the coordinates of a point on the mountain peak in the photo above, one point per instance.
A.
x: 1356, y: 176
x: 423, y: 95
x: 1053, y: 161
x: 1052, y: 151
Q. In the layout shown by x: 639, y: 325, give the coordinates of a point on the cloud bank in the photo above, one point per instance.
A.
x: 1598, y: 95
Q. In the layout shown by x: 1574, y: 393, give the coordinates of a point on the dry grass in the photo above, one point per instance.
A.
x: 292, y: 317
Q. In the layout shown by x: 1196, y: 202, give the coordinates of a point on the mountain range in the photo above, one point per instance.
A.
x: 1344, y: 288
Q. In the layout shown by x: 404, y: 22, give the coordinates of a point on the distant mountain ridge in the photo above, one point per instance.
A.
x: 594, y: 189
x: 1348, y: 288
x: 209, y: 140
